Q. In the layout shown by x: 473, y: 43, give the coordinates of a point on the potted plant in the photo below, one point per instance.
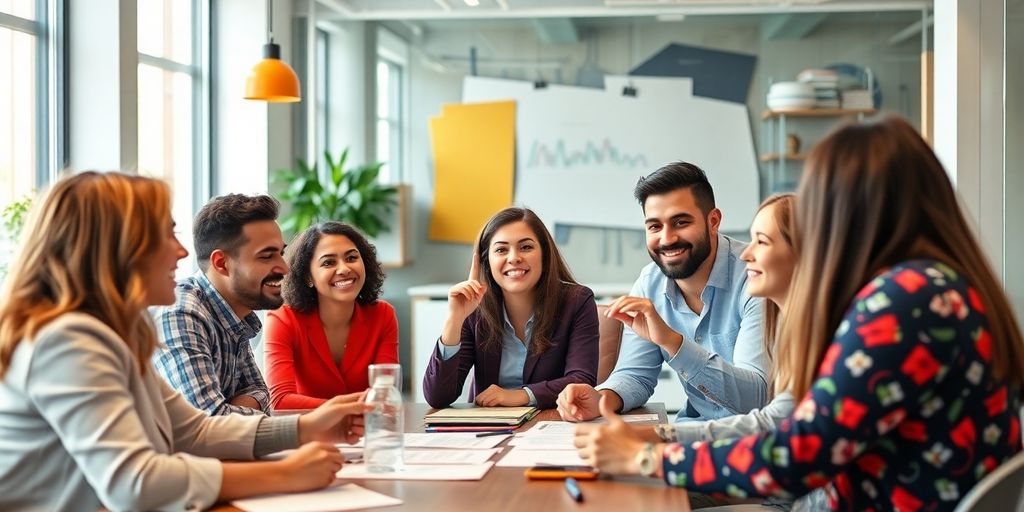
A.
x: 353, y: 196
x: 14, y: 216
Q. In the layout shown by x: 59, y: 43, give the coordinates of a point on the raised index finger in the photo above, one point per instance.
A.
x: 474, y: 264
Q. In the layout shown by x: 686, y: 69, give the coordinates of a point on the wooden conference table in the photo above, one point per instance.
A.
x: 507, y: 489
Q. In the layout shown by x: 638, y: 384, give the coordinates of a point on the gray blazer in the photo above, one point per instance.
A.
x: 81, y: 428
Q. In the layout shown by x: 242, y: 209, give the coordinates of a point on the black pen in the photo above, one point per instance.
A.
x: 573, y: 487
x: 494, y: 433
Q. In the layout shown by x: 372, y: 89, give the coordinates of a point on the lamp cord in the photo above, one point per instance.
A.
x: 270, y: 19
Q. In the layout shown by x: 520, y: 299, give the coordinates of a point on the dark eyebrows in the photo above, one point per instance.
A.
x: 332, y: 255
x: 521, y: 240
x: 678, y: 216
x: 271, y: 249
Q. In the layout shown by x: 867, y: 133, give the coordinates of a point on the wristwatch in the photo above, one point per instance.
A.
x: 647, y: 460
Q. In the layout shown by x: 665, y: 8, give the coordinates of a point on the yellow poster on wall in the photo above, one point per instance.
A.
x: 474, y: 163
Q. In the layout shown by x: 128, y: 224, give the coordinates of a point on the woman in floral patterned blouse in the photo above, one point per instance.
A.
x: 896, y: 334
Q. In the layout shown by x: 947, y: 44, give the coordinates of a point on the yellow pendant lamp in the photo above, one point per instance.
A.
x: 272, y: 80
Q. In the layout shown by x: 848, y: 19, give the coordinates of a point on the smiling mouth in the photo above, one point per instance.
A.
x: 754, y: 273
x: 344, y: 283
x: 514, y: 273
x: 672, y: 253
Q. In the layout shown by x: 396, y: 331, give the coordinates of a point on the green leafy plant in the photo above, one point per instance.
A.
x: 14, y: 215
x: 353, y: 196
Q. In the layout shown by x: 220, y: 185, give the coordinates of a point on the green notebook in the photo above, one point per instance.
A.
x: 471, y: 415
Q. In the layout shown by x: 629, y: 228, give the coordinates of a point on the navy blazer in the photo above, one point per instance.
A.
x: 572, y: 358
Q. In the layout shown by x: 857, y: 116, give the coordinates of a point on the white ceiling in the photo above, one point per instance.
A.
x: 489, y: 9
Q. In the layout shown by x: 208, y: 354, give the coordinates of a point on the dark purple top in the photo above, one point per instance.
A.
x: 571, y: 359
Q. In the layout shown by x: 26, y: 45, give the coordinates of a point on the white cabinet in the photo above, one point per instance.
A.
x: 428, y: 314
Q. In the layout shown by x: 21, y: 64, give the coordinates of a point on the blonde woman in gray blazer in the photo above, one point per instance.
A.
x: 85, y: 421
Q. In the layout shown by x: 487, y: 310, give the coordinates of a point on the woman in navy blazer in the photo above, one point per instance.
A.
x: 521, y: 321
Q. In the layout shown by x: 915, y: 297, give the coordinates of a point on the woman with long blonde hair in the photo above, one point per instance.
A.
x: 896, y: 335
x: 85, y: 422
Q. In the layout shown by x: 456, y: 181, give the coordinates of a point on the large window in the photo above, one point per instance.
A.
x: 27, y: 56
x: 392, y: 130
x: 171, y: 115
x: 389, y: 119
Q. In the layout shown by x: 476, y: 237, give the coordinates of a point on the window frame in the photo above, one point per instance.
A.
x: 200, y: 111
x: 51, y: 141
x: 395, y: 96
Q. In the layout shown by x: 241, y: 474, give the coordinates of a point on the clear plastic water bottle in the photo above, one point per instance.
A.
x: 385, y: 427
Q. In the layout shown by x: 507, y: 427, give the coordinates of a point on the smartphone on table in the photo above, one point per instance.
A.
x: 561, y: 472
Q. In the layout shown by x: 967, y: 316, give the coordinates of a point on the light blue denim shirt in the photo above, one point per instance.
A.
x: 722, y: 363
x: 513, y: 357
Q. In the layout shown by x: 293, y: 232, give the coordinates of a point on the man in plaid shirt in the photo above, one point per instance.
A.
x: 207, y: 331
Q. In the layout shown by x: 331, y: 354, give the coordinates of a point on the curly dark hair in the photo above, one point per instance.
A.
x: 297, y: 292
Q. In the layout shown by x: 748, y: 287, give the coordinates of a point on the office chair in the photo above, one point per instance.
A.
x: 1000, y: 490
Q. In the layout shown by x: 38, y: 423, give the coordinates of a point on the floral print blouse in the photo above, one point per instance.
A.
x: 904, y: 413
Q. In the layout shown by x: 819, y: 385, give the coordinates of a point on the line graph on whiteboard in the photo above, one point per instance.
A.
x: 603, y: 153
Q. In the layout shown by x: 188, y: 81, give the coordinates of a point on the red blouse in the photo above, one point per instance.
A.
x: 300, y: 369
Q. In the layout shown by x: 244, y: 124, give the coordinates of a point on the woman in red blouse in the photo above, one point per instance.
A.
x: 333, y: 325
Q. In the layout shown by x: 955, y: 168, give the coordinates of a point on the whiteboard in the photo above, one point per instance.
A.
x: 580, y: 151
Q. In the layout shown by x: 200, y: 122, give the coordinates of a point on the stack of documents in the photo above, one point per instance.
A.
x: 546, y: 443
x: 551, y: 443
x: 450, y: 456
x: 858, y: 99
x: 469, y: 415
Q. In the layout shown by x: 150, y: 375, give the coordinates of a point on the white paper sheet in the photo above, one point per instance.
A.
x: 350, y: 452
x: 554, y: 435
x: 464, y: 440
x: 420, y: 472
x: 420, y: 456
x: 461, y: 440
x: 336, y: 497
x: 519, y: 457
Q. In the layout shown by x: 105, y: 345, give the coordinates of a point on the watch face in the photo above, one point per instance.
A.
x: 646, y: 460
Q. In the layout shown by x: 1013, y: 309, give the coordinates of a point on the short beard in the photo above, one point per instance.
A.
x: 699, y: 253
x: 256, y: 300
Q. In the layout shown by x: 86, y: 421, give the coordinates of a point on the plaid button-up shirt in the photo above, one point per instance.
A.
x: 206, y: 353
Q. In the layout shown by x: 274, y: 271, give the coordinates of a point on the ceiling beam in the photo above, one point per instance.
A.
x: 790, y: 27
x: 912, y: 30
x: 621, y: 11
x: 556, y: 31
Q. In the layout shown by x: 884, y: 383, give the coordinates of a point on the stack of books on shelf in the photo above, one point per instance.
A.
x: 825, y: 83
x: 468, y: 417
x: 859, y: 99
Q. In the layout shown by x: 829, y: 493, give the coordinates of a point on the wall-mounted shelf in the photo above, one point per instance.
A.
x: 816, y: 112
x: 771, y: 157
x: 777, y: 158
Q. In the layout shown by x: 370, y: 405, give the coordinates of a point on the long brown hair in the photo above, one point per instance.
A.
x: 871, y: 196
x: 782, y: 210
x: 551, y: 291
x: 84, y: 249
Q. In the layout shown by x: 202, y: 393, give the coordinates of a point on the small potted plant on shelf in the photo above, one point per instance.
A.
x: 351, y: 195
